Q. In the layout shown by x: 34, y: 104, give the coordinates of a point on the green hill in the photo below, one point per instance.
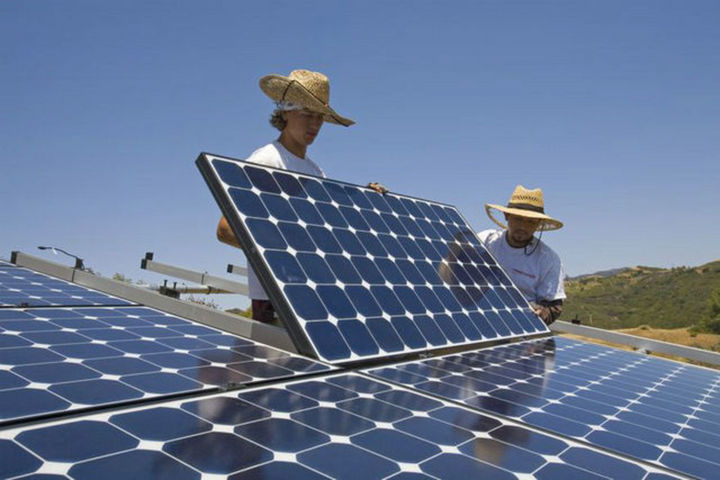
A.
x: 658, y: 297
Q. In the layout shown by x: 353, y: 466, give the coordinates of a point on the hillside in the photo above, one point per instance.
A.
x: 657, y: 297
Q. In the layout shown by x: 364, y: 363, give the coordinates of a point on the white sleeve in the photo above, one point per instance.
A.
x: 267, y: 156
x: 484, y: 236
x: 552, y: 283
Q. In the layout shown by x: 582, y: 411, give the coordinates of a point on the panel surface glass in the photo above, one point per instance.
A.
x: 20, y: 287
x: 652, y: 409
x: 65, y: 359
x: 343, y: 426
x: 359, y: 275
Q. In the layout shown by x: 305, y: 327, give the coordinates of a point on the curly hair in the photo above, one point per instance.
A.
x: 277, y: 121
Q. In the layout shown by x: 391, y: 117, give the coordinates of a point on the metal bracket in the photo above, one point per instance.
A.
x: 216, y: 284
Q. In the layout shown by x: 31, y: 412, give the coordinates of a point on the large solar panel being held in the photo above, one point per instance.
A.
x: 344, y: 426
x: 20, y: 287
x: 651, y: 409
x: 359, y: 275
x: 68, y: 359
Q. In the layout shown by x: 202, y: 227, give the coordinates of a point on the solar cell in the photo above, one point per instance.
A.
x: 342, y: 426
x: 359, y: 275
x: 655, y: 410
x: 20, y: 287
x: 65, y: 359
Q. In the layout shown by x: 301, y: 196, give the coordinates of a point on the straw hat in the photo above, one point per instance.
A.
x: 525, y: 203
x: 306, y: 88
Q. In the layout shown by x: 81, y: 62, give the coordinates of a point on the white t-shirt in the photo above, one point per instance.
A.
x: 539, y: 276
x: 277, y: 156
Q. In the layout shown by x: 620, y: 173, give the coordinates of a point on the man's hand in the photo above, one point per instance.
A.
x: 378, y: 188
x: 549, y: 312
x: 543, y: 313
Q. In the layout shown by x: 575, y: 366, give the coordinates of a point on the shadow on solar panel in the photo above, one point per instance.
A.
x: 357, y: 275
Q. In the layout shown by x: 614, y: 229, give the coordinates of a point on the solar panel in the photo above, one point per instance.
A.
x: 20, y: 287
x: 648, y: 408
x: 67, y: 359
x: 342, y: 426
x: 359, y: 275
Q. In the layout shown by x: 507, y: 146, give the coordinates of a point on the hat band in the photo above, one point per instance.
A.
x: 526, y: 206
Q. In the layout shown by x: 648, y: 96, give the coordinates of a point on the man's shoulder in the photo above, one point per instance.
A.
x: 549, y: 254
x: 267, y: 155
x: 490, y: 236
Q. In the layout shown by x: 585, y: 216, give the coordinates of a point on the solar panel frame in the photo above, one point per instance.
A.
x: 61, y: 360
x: 338, y: 426
x: 450, y: 325
x: 656, y: 410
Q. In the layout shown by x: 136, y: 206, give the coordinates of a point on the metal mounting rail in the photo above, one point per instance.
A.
x: 216, y: 284
x: 235, y: 324
x: 237, y: 270
x: 646, y: 345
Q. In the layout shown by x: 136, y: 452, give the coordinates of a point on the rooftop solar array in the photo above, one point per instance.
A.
x: 20, y: 287
x: 359, y: 275
x: 647, y: 408
x: 66, y: 359
x: 344, y: 426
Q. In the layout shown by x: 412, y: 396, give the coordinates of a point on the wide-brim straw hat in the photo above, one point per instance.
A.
x: 525, y: 203
x: 306, y: 88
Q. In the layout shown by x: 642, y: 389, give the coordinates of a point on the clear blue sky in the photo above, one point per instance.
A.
x: 612, y: 107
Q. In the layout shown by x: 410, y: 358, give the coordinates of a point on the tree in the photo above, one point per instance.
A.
x: 711, y: 323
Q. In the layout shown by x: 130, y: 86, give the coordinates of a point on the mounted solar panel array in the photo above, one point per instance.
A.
x: 20, y: 287
x: 345, y: 426
x: 359, y: 275
x: 651, y: 409
x: 67, y: 359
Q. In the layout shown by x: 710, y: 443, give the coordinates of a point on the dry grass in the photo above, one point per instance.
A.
x: 678, y: 336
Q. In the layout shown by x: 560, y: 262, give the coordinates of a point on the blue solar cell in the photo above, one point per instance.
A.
x: 230, y: 452
x: 294, y: 438
x: 56, y: 372
x: 160, y: 424
x: 342, y: 269
x: 347, y: 461
x: 278, y: 207
x: 315, y: 268
x: 251, y: 204
x: 358, y: 337
x: 231, y: 174
x: 136, y: 464
x: 266, y: 234
x: 17, y: 461
x: 331, y: 215
x: 26, y: 402
x: 76, y: 441
x: 296, y: 237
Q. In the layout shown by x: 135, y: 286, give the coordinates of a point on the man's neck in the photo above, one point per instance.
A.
x: 293, y: 147
x: 515, y: 244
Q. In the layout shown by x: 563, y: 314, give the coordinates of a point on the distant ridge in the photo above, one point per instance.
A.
x: 633, y: 296
x: 601, y: 273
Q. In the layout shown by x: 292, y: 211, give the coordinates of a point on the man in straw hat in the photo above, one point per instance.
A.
x: 533, y: 266
x: 301, y: 107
